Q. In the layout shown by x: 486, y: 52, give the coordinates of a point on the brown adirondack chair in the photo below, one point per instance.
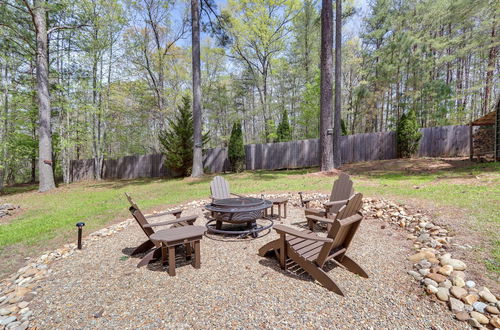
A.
x: 219, y: 188
x: 147, y: 227
x: 350, y: 207
x: 311, y: 252
x: 341, y: 191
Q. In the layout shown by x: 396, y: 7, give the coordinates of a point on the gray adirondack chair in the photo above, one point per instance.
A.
x: 311, y: 252
x: 341, y: 191
x: 219, y: 189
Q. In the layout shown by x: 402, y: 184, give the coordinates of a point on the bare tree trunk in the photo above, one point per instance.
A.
x: 5, y: 128
x: 489, y: 70
x: 326, y: 66
x: 337, y: 131
x: 42, y: 77
x: 197, y: 170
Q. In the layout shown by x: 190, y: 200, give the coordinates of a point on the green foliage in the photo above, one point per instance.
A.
x: 343, y: 127
x: 236, y: 149
x: 177, y: 140
x: 284, y: 131
x: 309, y: 110
x: 408, y: 135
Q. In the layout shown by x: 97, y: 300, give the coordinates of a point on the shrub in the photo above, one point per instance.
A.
x: 236, y: 149
x: 343, y: 127
x: 284, y: 131
x: 408, y: 135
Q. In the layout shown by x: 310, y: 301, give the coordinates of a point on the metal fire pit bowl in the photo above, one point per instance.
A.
x: 239, y: 211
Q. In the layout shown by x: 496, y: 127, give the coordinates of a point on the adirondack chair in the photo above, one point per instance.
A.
x: 147, y: 227
x: 341, y: 191
x: 311, y: 251
x: 219, y: 188
x: 350, y: 207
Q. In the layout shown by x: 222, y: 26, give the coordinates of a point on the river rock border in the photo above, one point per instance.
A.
x: 439, y: 274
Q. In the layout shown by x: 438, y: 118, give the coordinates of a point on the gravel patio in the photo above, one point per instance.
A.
x: 100, y: 287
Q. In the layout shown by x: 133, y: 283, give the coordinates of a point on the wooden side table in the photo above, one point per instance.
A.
x: 189, y: 236
x: 279, y: 202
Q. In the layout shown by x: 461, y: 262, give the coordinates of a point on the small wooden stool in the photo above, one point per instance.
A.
x: 190, y: 236
x: 278, y: 202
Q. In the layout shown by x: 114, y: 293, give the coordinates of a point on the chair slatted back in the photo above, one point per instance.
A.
x: 352, y: 207
x: 344, y: 227
x: 342, y: 188
x: 139, y: 217
x: 219, y: 188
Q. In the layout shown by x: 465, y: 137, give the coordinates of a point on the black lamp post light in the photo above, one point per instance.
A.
x: 80, y: 229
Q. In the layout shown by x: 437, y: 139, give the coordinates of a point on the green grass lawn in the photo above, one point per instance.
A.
x: 48, y: 219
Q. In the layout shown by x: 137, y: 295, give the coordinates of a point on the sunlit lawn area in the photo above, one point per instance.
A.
x: 48, y: 219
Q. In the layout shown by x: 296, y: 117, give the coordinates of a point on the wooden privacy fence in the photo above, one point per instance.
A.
x: 445, y: 141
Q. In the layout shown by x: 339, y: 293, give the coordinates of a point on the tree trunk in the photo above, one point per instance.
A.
x: 197, y: 170
x: 326, y: 67
x: 5, y: 128
x: 489, y: 70
x: 42, y: 79
x: 337, y: 131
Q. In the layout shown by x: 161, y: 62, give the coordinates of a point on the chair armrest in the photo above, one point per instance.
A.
x: 281, y: 229
x: 179, y: 211
x: 172, y: 222
x: 320, y: 219
x: 330, y: 204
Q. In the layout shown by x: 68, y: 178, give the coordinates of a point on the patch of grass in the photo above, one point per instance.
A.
x: 48, y: 217
x: 474, y: 189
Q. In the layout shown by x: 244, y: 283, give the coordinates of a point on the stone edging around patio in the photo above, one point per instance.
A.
x: 441, y: 276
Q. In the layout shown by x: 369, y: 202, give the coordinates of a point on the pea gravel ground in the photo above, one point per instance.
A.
x: 100, y: 287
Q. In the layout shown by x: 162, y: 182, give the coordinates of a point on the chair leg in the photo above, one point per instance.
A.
x: 171, y: 260
x: 316, y: 272
x: 197, y: 257
x: 311, y: 224
x: 283, y: 249
x: 352, y: 266
x: 188, y: 249
x: 144, y: 247
x: 268, y: 247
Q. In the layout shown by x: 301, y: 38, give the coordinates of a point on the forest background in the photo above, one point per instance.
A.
x: 118, y: 70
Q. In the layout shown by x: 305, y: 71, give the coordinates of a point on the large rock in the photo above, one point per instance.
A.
x: 415, y: 275
x: 421, y: 255
x: 458, y: 292
x: 455, y: 263
x: 428, y: 282
x: 462, y: 316
x: 445, y: 270
x: 492, y: 310
x: 487, y: 295
x: 431, y: 289
x: 470, y: 298
x: 6, y: 320
x: 495, y: 322
x: 479, y: 306
x: 443, y: 294
x: 458, y: 281
x: 436, y: 277
x: 456, y: 305
x: 474, y: 323
x: 481, y: 318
